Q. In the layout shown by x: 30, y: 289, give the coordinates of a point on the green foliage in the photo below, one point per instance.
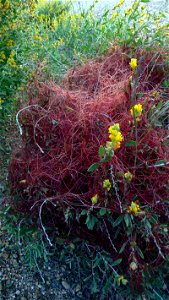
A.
x: 101, y: 275
x: 26, y: 236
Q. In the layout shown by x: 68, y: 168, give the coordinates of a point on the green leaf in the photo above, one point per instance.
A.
x: 94, y: 288
x: 124, y: 281
x: 154, y: 219
x: 91, y: 221
x: 147, y: 224
x: 84, y: 212
x: 157, y: 123
x: 102, y: 211
x: 145, y: 1
x: 140, y: 253
x: 165, y: 84
x: 118, y: 221
x: 101, y: 151
x: 127, y: 219
x: 140, y: 95
x: 131, y: 143
x: 116, y: 262
x: 123, y: 247
x: 160, y: 162
x: 93, y: 167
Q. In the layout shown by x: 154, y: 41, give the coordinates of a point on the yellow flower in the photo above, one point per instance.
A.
x: 114, y: 127
x: 10, y: 43
x: 107, y: 184
x: 94, y: 199
x: 136, y: 111
x: 134, y: 208
x: 12, y: 62
x: 37, y: 38
x: 128, y: 11
x: 120, y: 278
x: 115, y: 136
x: 114, y: 14
x: 6, y: 5
x: 128, y: 176
x: 133, y: 63
x: 2, y: 55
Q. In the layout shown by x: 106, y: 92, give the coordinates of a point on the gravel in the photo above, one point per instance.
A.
x: 52, y: 280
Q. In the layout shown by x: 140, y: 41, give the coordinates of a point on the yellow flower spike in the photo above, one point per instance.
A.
x: 133, y: 63
x: 94, y: 199
x: 115, y: 136
x: 136, y: 111
x: 107, y: 184
x: 128, y: 176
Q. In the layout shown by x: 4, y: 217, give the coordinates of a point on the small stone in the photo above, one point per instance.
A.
x: 5, y: 255
x: 65, y: 285
x: 57, y: 276
x: 78, y: 288
x: 15, y: 263
x: 39, y: 286
x: 17, y: 292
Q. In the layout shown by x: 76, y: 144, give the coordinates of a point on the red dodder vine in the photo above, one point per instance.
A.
x: 62, y: 130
